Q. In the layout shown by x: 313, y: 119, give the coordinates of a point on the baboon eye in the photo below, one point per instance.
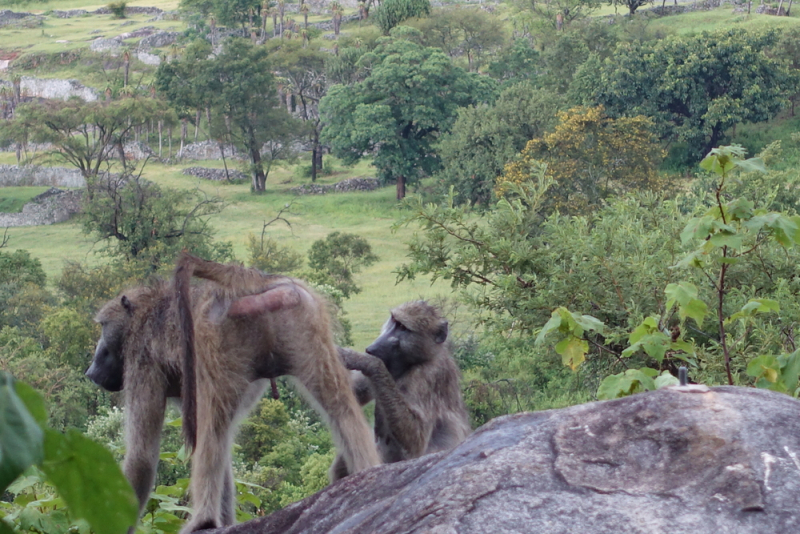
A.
x: 401, y: 327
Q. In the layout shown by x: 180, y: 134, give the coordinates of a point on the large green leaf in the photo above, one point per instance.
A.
x: 20, y: 434
x: 572, y: 350
x: 90, y: 481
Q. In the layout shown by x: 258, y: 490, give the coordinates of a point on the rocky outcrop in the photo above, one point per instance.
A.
x: 102, y: 44
x: 13, y: 175
x: 351, y: 184
x: 53, y: 88
x: 217, y: 175
x: 686, y: 460
x: 52, y: 206
x: 159, y: 39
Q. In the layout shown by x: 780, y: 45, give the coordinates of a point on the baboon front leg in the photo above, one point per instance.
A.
x: 408, y: 426
x: 144, y: 413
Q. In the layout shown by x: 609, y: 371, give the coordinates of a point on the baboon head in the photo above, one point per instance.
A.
x: 410, y: 337
x: 107, y: 365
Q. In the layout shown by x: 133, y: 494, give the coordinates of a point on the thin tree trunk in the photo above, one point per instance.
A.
x: 789, y: 9
x: 401, y: 187
x: 224, y: 163
x: 197, y: 116
x: 169, y: 133
x: 208, y: 121
x: 160, y: 144
x: 184, y: 128
x: 780, y: 5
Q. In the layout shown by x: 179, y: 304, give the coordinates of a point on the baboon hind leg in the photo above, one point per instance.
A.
x: 211, y: 466
x: 327, y: 383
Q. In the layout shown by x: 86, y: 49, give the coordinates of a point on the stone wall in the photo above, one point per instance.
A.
x: 206, y: 150
x: 52, y: 206
x: 351, y: 184
x: 217, y: 175
x: 13, y: 175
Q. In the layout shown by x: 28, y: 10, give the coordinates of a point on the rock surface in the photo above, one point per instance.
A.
x: 52, y: 206
x: 723, y: 461
x: 344, y: 186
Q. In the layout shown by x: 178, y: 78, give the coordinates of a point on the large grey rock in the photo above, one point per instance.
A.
x: 52, y: 206
x: 106, y: 45
x: 725, y: 461
x: 158, y: 40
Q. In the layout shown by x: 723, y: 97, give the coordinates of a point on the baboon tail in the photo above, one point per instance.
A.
x: 182, y: 279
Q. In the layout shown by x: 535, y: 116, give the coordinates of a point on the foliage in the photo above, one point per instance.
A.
x: 86, y: 135
x: 138, y: 220
x: 117, y: 9
x: 336, y: 258
x: 536, y: 15
x: 267, y: 255
x: 589, y: 157
x: 84, y: 473
x: 695, y: 88
x: 397, y: 112
x: 392, y: 12
x: 515, y: 62
x: 485, y: 138
x: 19, y: 267
x: 464, y: 31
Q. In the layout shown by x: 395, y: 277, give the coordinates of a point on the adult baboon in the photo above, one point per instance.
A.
x: 216, y: 344
x: 414, y: 380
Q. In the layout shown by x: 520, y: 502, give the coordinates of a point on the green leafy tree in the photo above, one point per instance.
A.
x: 303, y: 67
x: 86, y: 135
x: 142, y: 222
x: 696, y: 87
x: 469, y: 32
x: 393, y: 12
x: 336, y: 258
x: 239, y: 87
x: 485, y: 138
x: 397, y: 112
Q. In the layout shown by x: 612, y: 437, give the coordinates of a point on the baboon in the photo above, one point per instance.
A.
x: 411, y: 374
x: 216, y: 344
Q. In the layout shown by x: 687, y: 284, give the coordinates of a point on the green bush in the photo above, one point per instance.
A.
x: 117, y: 9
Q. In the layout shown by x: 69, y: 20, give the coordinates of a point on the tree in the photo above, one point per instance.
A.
x: 589, y: 157
x: 695, y: 88
x: 462, y: 31
x: 303, y: 68
x: 409, y: 98
x: 140, y: 221
x: 485, y: 138
x: 392, y: 12
x: 632, y: 5
x: 87, y: 135
x: 336, y: 258
x: 240, y: 88
x: 555, y: 14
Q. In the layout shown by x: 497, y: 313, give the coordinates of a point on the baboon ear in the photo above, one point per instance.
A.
x: 127, y: 304
x: 441, y: 333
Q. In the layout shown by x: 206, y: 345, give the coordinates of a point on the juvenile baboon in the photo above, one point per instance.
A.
x: 216, y: 345
x: 414, y: 380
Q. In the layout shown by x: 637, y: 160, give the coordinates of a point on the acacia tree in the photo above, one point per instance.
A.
x: 85, y: 135
x: 397, y: 112
x: 695, y: 88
